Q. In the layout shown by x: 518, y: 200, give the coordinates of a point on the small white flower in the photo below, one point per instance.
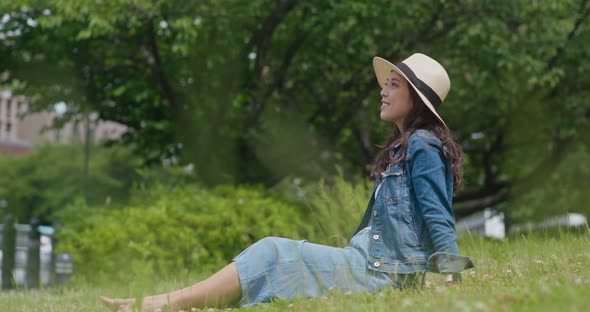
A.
x: 462, y: 305
x: 480, y: 306
x: 508, y: 271
x: 440, y: 290
x: 537, y: 261
x: 407, y: 302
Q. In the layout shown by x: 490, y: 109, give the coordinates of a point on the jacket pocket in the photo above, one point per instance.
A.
x: 409, y: 229
x: 395, y: 180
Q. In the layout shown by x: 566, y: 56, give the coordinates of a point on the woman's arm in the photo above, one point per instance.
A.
x: 429, y: 182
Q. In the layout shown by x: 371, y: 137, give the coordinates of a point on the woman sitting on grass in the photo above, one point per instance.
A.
x: 407, y: 228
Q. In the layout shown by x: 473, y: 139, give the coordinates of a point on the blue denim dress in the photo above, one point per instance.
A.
x: 406, y: 230
x: 276, y: 267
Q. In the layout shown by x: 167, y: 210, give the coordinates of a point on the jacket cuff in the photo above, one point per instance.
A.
x: 444, y: 262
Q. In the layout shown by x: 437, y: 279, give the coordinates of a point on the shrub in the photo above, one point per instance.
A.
x: 334, y: 208
x: 175, y: 230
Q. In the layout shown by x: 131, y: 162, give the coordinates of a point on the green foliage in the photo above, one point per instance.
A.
x: 254, y: 91
x: 175, y: 230
x: 45, y: 181
x: 563, y: 191
x: 336, y: 207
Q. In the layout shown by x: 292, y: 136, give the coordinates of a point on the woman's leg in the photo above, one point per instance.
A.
x: 219, y: 290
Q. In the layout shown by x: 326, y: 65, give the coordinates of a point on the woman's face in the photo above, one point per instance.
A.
x: 396, y: 101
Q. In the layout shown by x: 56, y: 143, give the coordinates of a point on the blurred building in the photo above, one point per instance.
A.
x: 490, y: 223
x: 20, y: 132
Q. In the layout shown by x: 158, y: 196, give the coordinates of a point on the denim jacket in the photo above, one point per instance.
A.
x: 410, y: 213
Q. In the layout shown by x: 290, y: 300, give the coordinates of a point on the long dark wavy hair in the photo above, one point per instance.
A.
x: 421, y: 117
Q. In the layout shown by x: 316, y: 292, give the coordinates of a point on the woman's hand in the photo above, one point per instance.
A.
x: 453, y: 279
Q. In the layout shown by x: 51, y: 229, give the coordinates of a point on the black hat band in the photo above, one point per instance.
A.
x: 420, y: 85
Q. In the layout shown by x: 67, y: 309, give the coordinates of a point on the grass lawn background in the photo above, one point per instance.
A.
x: 534, y: 273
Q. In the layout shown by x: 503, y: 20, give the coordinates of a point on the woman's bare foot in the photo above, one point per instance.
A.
x: 118, y: 304
x: 149, y: 304
x: 220, y: 290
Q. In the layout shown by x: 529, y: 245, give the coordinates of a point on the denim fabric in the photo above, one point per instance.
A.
x: 410, y: 212
x: 277, y: 267
x: 407, y: 230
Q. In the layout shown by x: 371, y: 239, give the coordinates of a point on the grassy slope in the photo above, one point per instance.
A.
x: 522, y: 274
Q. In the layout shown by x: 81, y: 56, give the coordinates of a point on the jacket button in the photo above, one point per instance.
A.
x: 376, y: 264
x: 374, y: 212
x: 375, y: 237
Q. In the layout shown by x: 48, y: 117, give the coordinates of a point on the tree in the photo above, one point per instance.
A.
x: 251, y: 91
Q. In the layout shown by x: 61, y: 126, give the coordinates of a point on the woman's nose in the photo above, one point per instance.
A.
x: 382, y: 93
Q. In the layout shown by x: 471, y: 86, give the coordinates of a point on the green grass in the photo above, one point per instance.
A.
x: 535, y: 273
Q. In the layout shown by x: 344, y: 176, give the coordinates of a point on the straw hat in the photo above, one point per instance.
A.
x: 427, y: 77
